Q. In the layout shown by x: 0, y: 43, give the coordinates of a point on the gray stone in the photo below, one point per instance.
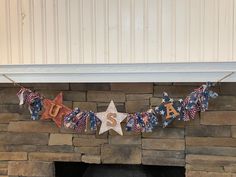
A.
x: 33, y: 126
x: 175, y: 133
x: 208, y: 131
x: 129, y: 154
x: 24, y: 138
x: 105, y: 96
x: 163, y: 144
x: 125, y: 140
x: 29, y: 168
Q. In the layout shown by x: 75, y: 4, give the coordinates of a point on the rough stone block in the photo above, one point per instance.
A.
x: 95, y: 159
x: 233, y: 129
x: 18, y: 148
x: 163, y: 154
x: 210, y: 141
x: 210, y: 160
x: 163, y: 144
x: 74, y: 96
x: 8, y: 117
x: 29, y: 168
x: 230, y: 168
x: 221, y: 151
x: 24, y: 138
x: 137, y: 106
x: 174, y: 90
x: 208, y: 131
x: 13, y: 156
x: 129, y: 154
x: 218, y: 118
x: 162, y: 161
x: 175, y: 133
x: 199, y: 167
x: 60, y: 139
x: 11, y: 108
x: 105, y: 96
x: 134, y: 97
x: 49, y: 156
x: 3, y: 171
x: 8, y: 96
x: 227, y: 88
x: 155, y: 101
x: 206, y: 174
x: 133, y: 88
x: 103, y: 107
x: 223, y: 103
x: 88, y: 106
x: 88, y: 142
x: 49, y: 86
x: 91, y: 86
x: 55, y: 148
x: 3, y: 127
x: 67, y: 130
x: 33, y: 126
x: 125, y: 140
x: 88, y: 150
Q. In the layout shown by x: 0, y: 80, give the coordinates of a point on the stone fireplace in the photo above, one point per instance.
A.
x: 205, y: 147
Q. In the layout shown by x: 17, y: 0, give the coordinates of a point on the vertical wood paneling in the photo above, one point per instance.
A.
x: 88, y: 31
x: 38, y: 32
x: 168, y: 53
x: 3, y: 30
x: 101, y: 34
x: 117, y: 31
x: 195, y: 30
x: 139, y: 31
x: 234, y: 31
x: 62, y: 31
x: 211, y: 30
x: 182, y: 30
x: 75, y: 30
x: 225, y: 29
x: 153, y: 30
x: 113, y: 31
x: 50, y: 32
x: 26, y: 21
x: 125, y: 30
x: 14, y: 32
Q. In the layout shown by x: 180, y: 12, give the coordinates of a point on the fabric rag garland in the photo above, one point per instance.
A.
x: 33, y: 100
x: 197, y: 101
x: 80, y: 121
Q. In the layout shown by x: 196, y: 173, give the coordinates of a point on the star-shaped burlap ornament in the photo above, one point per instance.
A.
x: 111, y: 119
x: 55, y: 110
x: 169, y: 109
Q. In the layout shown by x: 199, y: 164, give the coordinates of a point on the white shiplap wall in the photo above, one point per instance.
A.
x: 117, y: 31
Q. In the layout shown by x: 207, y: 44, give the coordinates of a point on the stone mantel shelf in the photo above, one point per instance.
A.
x: 88, y: 73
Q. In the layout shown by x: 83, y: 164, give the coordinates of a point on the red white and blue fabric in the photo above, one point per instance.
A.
x: 79, y: 120
x: 197, y: 101
x: 33, y: 100
x: 141, y: 122
x: 162, y: 110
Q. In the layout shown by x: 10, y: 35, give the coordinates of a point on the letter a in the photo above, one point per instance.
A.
x: 170, y: 109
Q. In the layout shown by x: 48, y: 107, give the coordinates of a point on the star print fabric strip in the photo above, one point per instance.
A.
x: 33, y: 100
x: 141, y: 122
x: 78, y: 119
x: 197, y: 101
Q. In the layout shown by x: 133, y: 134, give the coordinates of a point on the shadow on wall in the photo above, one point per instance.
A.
x: 71, y: 169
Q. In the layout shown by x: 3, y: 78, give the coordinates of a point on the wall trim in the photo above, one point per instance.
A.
x: 80, y: 73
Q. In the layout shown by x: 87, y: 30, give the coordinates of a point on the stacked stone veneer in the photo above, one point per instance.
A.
x: 205, y: 146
